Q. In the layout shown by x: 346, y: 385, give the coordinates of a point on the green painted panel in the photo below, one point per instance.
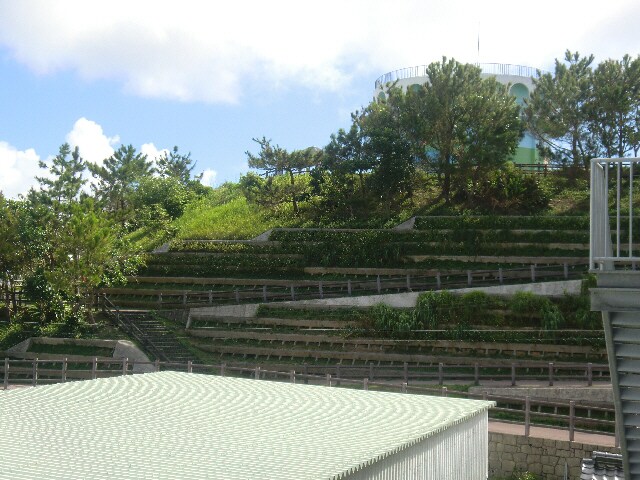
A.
x: 526, y: 155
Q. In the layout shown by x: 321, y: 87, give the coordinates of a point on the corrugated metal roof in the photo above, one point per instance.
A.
x: 179, y: 425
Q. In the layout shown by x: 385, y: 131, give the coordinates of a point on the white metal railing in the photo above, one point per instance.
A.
x: 612, y: 234
x: 488, y: 68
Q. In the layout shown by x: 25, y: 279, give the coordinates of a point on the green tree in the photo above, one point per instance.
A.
x: 64, y: 181
x: 12, y: 254
x: 88, y: 250
x: 614, y: 109
x: 345, y: 153
x: 168, y: 193
x: 176, y: 165
x: 460, y: 125
x: 276, y: 161
x: 558, y: 111
x: 388, y: 150
x: 118, y: 177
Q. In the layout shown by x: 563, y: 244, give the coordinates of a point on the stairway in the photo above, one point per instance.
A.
x: 618, y: 298
x: 155, y: 337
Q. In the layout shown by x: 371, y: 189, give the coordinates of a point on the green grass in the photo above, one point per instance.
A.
x: 235, y: 219
x: 68, y: 349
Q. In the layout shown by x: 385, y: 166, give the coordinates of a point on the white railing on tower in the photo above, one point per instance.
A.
x: 487, y: 68
x: 612, y: 214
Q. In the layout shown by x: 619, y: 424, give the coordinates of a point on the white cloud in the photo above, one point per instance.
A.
x: 152, y: 152
x: 18, y: 170
x: 213, y: 51
x: 209, y: 177
x: 90, y: 139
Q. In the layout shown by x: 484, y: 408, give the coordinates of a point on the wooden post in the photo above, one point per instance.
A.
x: 406, y: 372
x: 190, y: 366
x: 476, y: 374
x: 589, y: 374
x: 349, y: 287
x: 404, y: 387
x: 527, y: 415
x: 222, y: 369
x: 293, y: 293
x: 365, y: 384
x: 63, y: 373
x: 257, y: 373
x: 572, y: 419
x: 184, y: 298
x: 210, y: 297
x: 328, y: 379
x: 513, y: 374
x: 292, y: 376
x: 551, y: 374
x: 320, y: 292
x: 94, y: 368
x: 237, y: 294
x: 125, y: 366
x: 438, y: 281
x: 444, y: 391
x: 566, y: 271
x: 264, y: 293
x: 34, y: 373
x: 6, y: 373
x: 378, y: 286
x: 440, y: 374
x: 408, y: 282
x: 500, y: 276
x: 485, y: 395
x: 157, y: 365
x: 533, y: 272
x: 160, y: 300
x: 469, y: 278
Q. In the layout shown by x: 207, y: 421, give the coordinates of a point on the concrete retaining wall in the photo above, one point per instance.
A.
x: 596, y: 393
x: 543, y: 457
x: 399, y: 300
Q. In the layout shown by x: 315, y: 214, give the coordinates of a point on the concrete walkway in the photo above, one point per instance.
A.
x: 598, y: 439
x: 398, y: 300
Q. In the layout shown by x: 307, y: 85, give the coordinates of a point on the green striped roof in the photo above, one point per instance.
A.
x: 190, y: 426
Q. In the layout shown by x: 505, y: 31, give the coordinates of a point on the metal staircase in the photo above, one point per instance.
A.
x: 613, y: 259
x: 151, y: 334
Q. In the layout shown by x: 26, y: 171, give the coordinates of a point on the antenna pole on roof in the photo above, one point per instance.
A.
x: 478, y: 61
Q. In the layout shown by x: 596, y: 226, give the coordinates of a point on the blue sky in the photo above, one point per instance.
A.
x: 208, y: 76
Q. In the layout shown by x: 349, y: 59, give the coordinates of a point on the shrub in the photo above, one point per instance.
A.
x: 435, y: 308
x: 393, y: 322
x: 529, y: 305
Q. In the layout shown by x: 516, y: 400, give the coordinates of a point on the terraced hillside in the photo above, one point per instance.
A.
x: 286, y: 264
x: 336, y: 341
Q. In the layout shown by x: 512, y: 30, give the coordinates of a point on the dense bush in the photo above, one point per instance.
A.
x: 504, y: 222
x: 446, y: 310
x: 509, y: 190
x: 393, y: 322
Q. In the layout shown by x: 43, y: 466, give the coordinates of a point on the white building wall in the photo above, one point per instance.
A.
x: 459, y: 452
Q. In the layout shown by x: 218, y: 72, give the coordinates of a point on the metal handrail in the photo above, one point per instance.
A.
x: 487, y: 68
x: 608, y: 174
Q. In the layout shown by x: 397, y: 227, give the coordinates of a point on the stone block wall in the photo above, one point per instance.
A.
x: 543, y: 457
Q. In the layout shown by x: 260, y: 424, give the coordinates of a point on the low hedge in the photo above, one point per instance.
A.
x: 226, y: 247
x: 504, y: 222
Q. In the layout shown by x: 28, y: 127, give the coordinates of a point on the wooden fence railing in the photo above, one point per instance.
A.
x: 166, y: 298
x: 571, y: 414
